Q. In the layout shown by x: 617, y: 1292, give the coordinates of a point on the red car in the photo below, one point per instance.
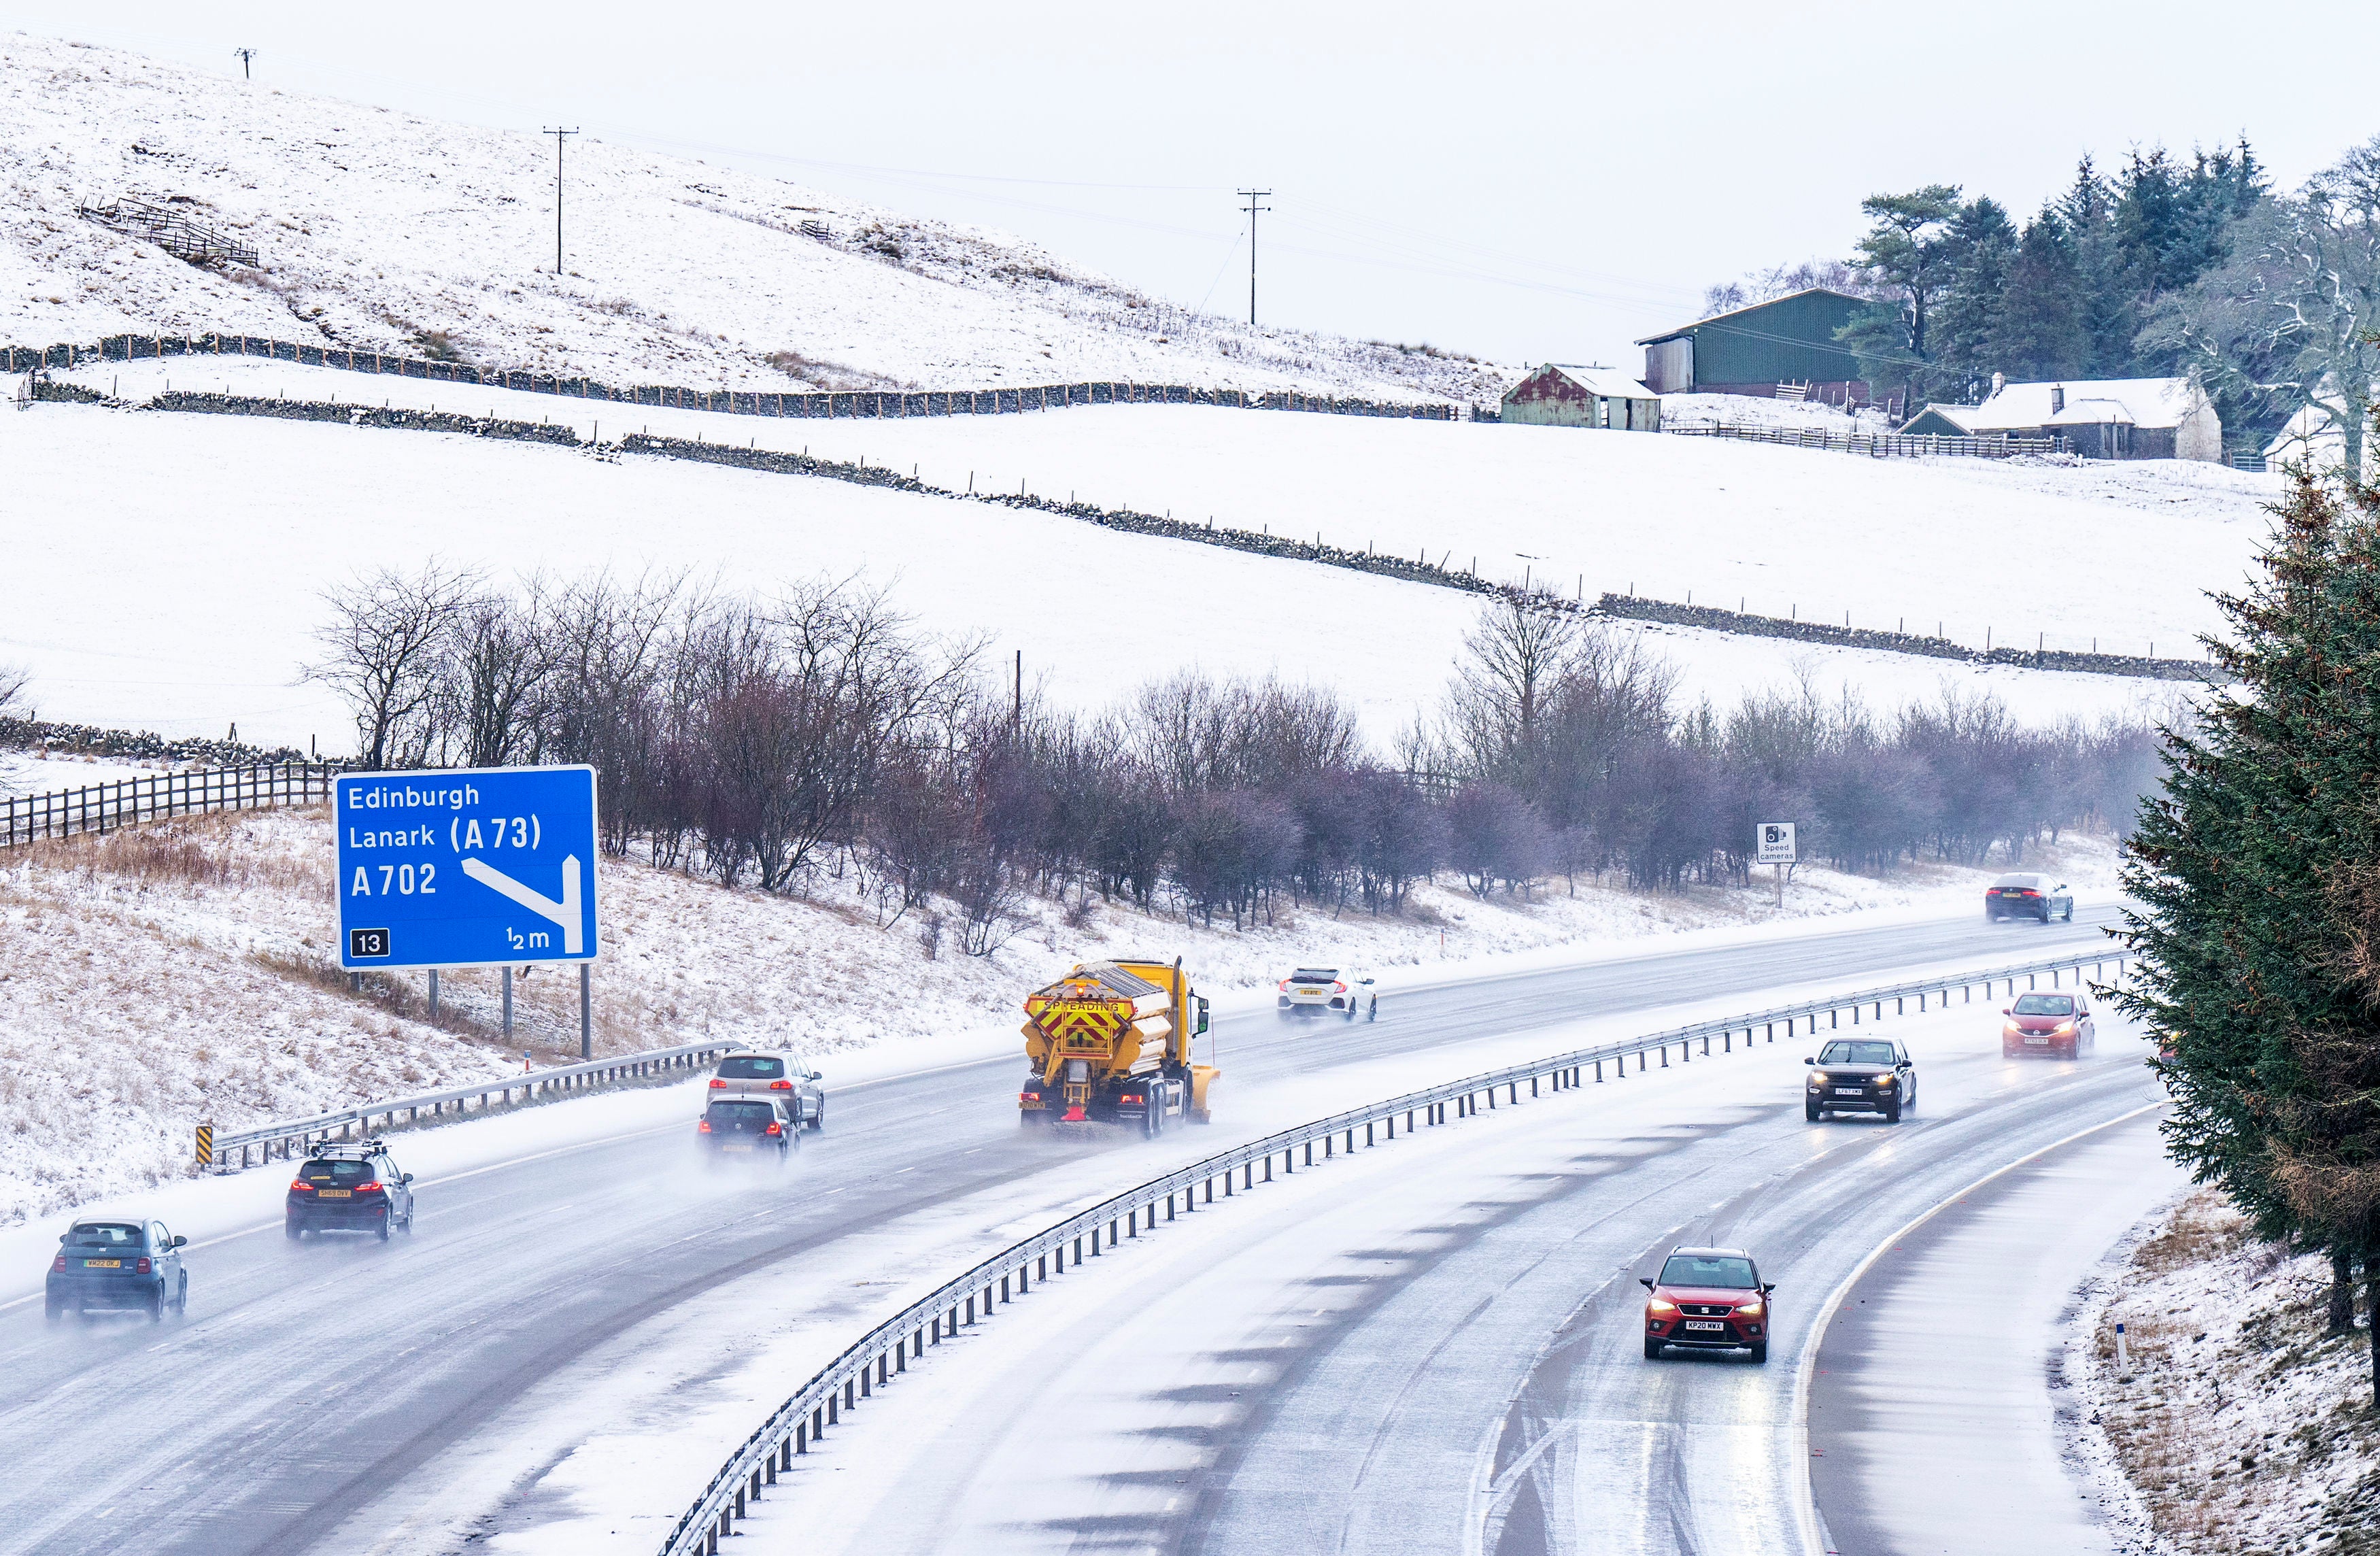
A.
x: 1706, y: 1299
x: 2058, y: 1024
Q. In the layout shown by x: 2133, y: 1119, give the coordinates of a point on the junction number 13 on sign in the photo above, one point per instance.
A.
x: 481, y: 867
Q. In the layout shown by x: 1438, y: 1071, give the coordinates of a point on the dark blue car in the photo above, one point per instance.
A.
x: 133, y: 1265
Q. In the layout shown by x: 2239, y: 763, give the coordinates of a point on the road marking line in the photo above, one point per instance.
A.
x: 1813, y: 1541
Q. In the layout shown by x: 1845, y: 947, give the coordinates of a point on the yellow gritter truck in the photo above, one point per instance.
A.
x: 1110, y: 1042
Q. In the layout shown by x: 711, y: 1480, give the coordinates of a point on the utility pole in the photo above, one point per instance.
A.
x: 558, y: 135
x: 1253, y: 209
x: 244, y: 55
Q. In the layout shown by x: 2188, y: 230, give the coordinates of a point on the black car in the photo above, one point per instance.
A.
x: 755, y: 1126
x: 1861, y: 1076
x: 117, y: 1264
x: 2024, y: 896
x: 348, y: 1188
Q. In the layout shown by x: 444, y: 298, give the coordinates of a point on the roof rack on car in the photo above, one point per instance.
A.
x: 324, y: 1148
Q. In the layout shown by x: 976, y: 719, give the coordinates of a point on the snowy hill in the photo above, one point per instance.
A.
x: 378, y: 230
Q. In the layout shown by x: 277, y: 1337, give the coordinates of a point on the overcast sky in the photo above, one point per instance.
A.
x: 1526, y: 181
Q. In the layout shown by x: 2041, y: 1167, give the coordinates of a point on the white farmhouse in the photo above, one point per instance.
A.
x: 2099, y: 418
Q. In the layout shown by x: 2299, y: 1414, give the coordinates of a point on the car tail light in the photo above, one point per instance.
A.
x: 718, y: 1084
x: 774, y: 1129
x: 142, y: 1268
x: 702, y: 1126
x: 299, y: 1186
x: 59, y: 1264
x: 1337, y: 988
x: 1285, y: 986
x: 1130, y: 1097
x: 371, y: 1188
x: 781, y: 1086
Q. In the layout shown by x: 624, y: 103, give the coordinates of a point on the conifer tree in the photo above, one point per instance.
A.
x: 2258, y: 875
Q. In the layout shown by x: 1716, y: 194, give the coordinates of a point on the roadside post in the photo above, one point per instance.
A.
x: 469, y: 868
x: 1775, y: 848
x: 206, y: 1152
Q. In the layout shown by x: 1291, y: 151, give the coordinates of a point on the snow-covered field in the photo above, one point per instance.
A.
x: 192, y: 605
x: 2026, y: 551
x: 1747, y: 410
x: 28, y: 772
x: 2239, y: 1425
x: 384, y: 231
x: 187, y: 972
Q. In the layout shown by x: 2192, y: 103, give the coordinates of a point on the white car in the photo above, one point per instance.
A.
x: 1339, y: 992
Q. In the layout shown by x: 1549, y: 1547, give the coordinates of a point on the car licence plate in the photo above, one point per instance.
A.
x: 336, y: 1194
x: 2042, y: 1041
x: 103, y: 1264
x: 1846, y: 1091
x: 1708, y: 1324
x: 737, y: 1146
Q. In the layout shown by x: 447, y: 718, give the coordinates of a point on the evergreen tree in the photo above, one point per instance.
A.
x: 1983, y: 250
x: 2107, y: 326
x: 2040, y: 334
x: 2258, y: 876
x: 1907, y: 254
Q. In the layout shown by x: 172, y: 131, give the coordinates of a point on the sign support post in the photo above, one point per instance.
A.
x: 586, y: 1011
x: 1773, y: 843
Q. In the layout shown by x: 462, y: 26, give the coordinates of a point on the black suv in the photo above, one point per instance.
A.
x: 117, y: 1264
x: 348, y: 1189
x: 1861, y: 1075
x: 759, y: 1126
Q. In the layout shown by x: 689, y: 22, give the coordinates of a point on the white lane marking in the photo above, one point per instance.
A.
x: 1806, y: 1513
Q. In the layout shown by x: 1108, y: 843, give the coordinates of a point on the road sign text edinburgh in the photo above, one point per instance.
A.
x: 486, y: 867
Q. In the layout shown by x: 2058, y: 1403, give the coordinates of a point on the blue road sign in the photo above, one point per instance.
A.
x: 472, y: 867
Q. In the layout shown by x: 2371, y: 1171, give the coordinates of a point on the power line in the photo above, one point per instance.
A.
x: 558, y: 135
x: 244, y: 55
x: 1253, y: 209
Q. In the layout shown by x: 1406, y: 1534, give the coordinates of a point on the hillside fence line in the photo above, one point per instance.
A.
x: 835, y: 403
x: 1418, y: 568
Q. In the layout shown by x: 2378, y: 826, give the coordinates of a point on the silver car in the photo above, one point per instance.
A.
x: 786, y: 1077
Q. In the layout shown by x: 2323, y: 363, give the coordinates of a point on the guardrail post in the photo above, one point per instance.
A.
x: 1665, y: 1056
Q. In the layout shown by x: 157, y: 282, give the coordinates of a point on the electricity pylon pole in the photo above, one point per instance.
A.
x: 1253, y: 209
x: 558, y: 135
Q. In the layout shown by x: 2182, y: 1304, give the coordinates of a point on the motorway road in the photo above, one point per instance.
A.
x: 1435, y: 1346
x: 359, y: 1396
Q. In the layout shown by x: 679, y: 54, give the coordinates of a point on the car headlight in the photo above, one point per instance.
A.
x: 1887, y: 1081
x: 1818, y: 1078
x: 1661, y: 1308
x: 2062, y: 1028
x: 2011, y: 1029
x: 1752, y: 1310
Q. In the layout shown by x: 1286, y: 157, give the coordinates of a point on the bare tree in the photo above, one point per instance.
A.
x: 381, y: 651
x: 2292, y: 321
x: 14, y: 679
x: 1505, y: 684
x: 500, y: 656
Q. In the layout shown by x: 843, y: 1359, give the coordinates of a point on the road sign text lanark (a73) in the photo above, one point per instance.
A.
x: 483, y: 866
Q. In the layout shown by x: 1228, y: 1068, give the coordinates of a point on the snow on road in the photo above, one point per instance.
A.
x: 1978, y: 1305
x: 215, y: 519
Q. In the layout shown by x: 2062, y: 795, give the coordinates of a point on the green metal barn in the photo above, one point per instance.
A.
x: 1753, y: 351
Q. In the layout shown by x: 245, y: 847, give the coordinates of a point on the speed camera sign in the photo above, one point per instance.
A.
x: 1775, y: 842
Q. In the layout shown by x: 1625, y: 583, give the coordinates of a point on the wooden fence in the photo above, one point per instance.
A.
x: 1877, y: 446
x: 100, y: 808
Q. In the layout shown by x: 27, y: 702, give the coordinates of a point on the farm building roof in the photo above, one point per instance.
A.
x: 1609, y: 382
x: 1737, y: 313
x: 2144, y: 402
